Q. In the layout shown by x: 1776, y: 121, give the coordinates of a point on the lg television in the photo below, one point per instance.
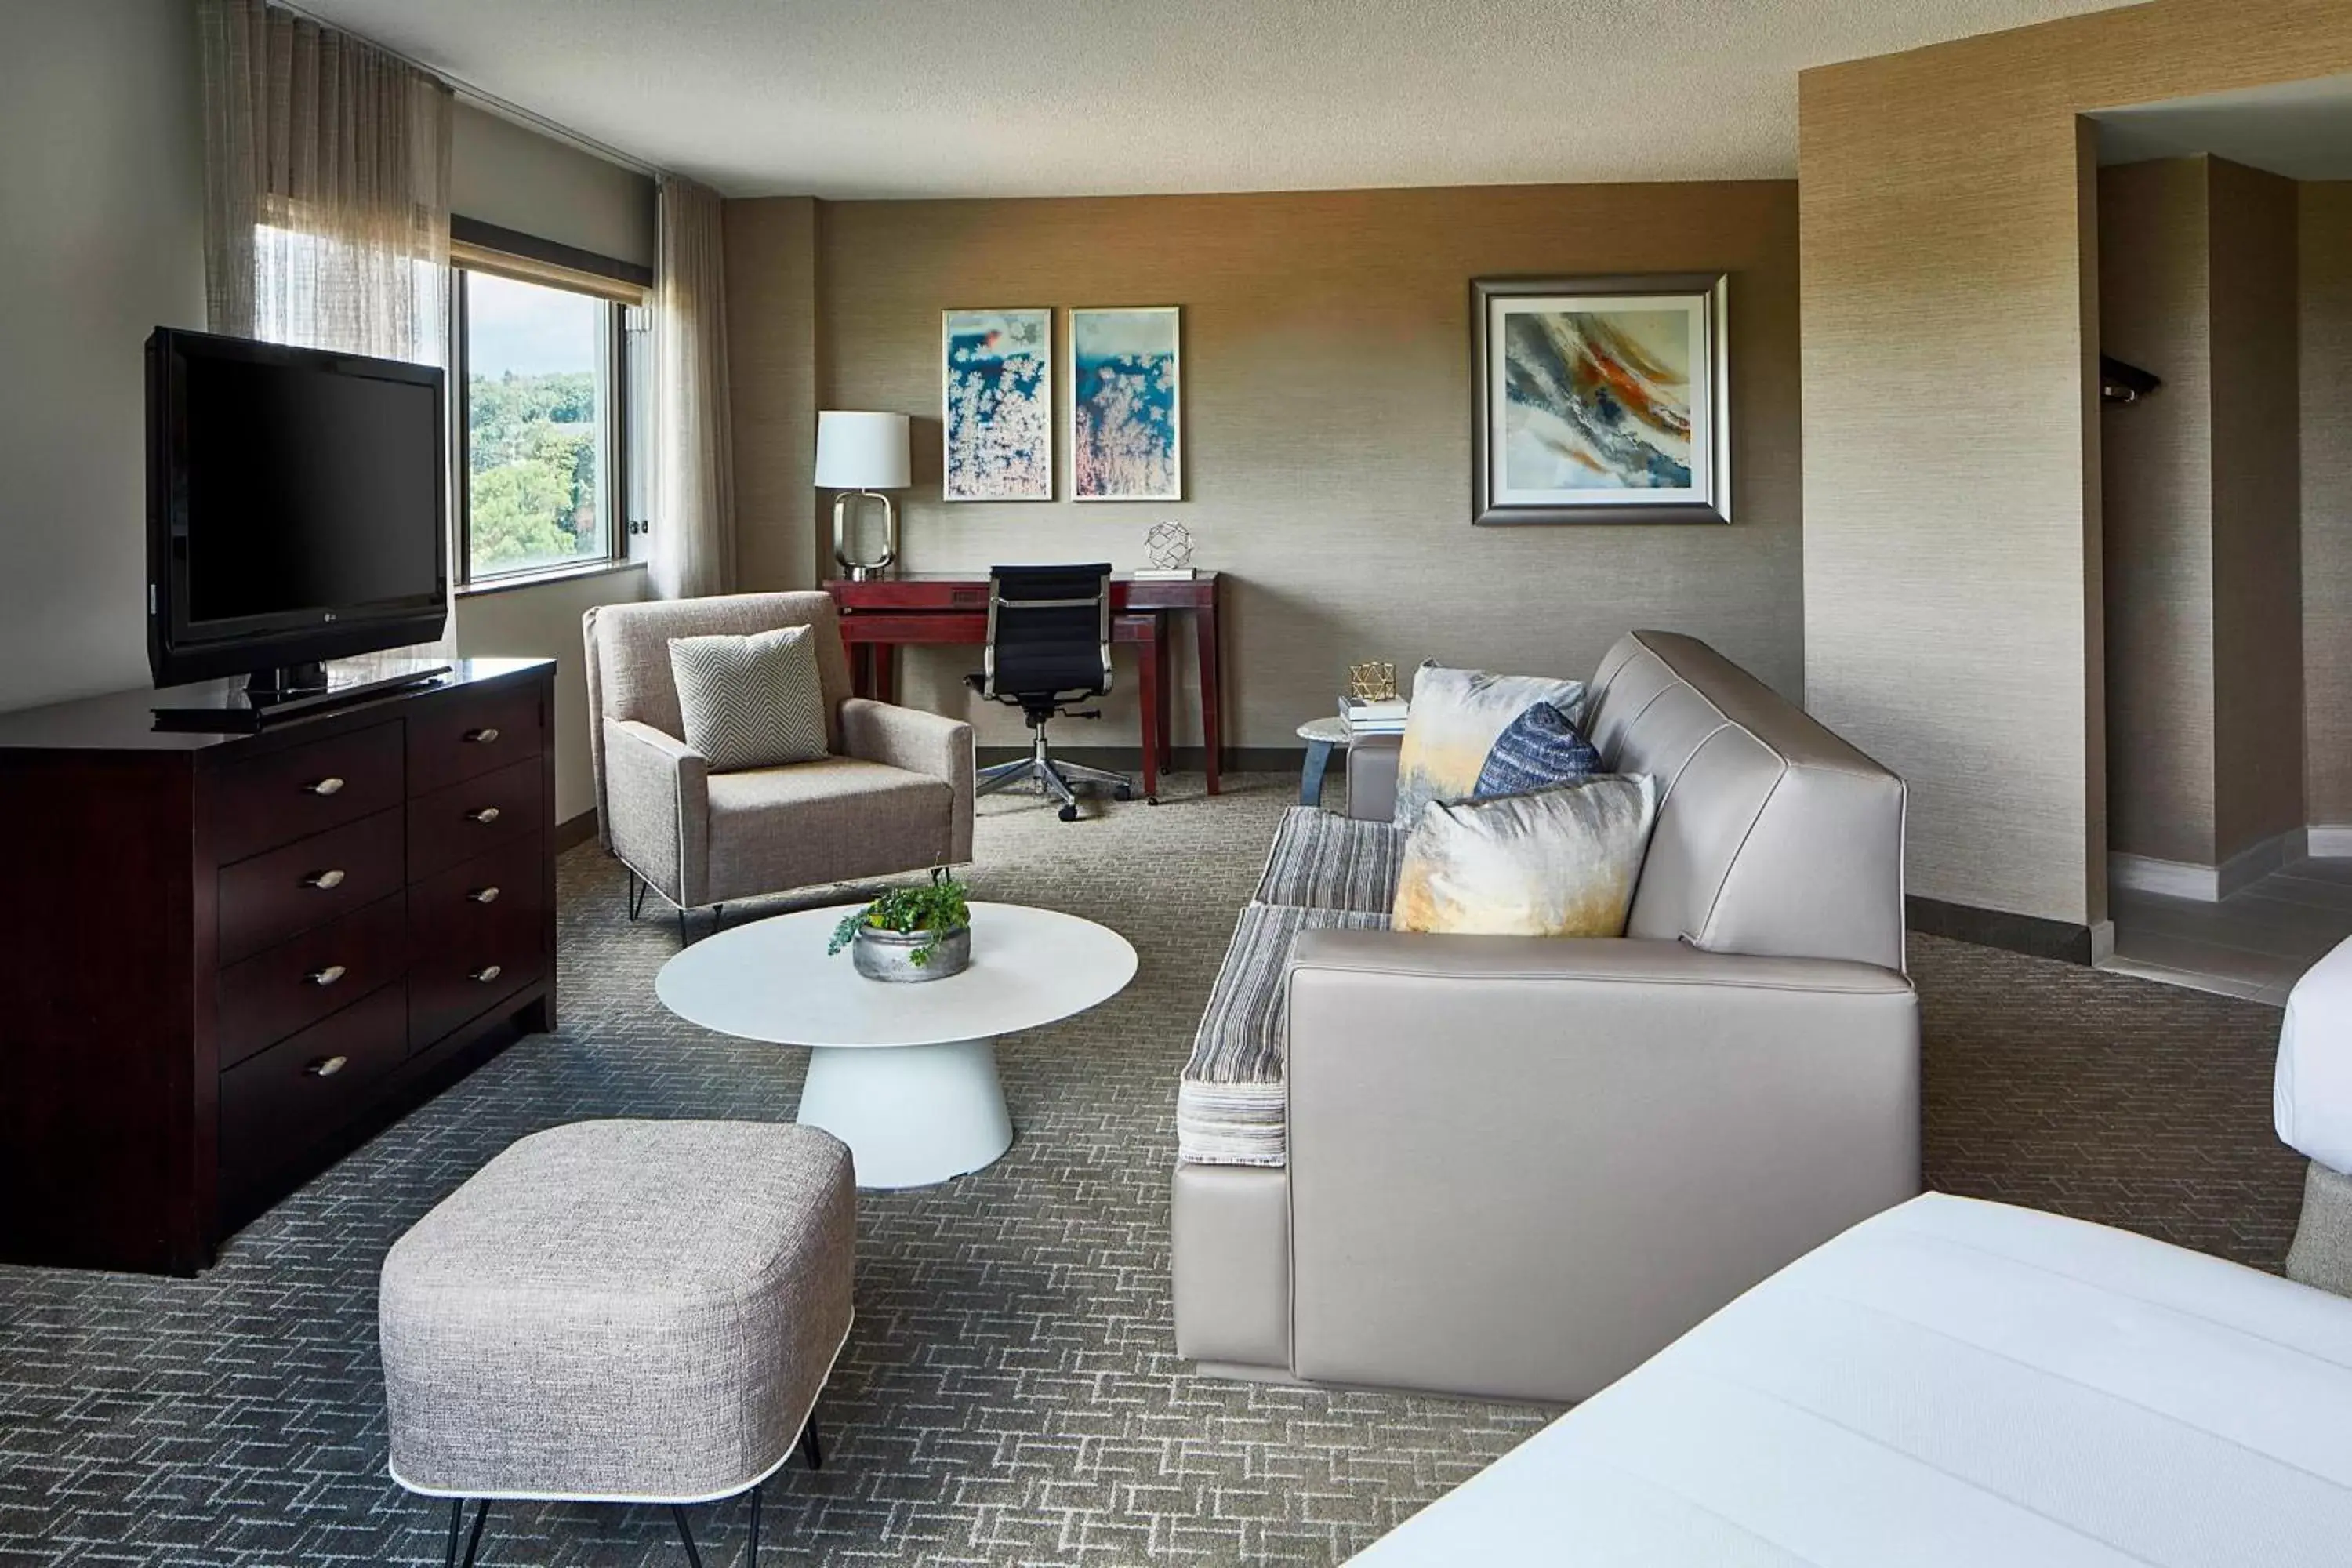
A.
x: 297, y: 514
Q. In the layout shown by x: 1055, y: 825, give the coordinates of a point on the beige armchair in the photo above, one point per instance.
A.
x: 893, y: 795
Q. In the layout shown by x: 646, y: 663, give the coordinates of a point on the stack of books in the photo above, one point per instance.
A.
x: 1384, y: 718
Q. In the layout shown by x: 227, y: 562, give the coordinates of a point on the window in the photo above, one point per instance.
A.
x: 544, y: 373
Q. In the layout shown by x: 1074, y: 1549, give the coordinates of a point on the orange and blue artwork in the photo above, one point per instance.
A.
x: 1127, y: 437
x: 1598, y: 400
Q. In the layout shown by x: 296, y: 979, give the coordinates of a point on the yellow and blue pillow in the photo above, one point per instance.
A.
x: 1455, y: 718
x: 1560, y: 862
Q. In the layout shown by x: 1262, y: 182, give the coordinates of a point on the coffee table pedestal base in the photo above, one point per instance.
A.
x: 913, y: 1116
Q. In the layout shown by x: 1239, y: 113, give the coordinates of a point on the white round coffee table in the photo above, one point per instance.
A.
x: 905, y: 1075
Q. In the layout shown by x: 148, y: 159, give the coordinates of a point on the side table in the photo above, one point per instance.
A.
x: 1320, y: 735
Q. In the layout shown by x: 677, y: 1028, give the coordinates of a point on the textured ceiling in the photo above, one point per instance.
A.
x: 938, y: 98
x: 2302, y: 130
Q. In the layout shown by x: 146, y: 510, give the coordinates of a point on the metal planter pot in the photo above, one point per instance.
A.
x: 889, y: 955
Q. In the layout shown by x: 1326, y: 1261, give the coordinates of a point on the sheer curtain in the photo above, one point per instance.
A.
x: 326, y: 187
x: 694, y: 533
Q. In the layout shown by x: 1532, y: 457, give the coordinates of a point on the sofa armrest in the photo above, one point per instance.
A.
x: 1372, y: 776
x: 920, y: 742
x: 657, y: 790
x: 1518, y: 1166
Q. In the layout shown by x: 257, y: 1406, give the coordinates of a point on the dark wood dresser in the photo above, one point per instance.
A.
x: 225, y: 959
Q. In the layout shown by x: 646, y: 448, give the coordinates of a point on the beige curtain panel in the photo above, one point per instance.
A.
x: 694, y: 524
x: 326, y: 187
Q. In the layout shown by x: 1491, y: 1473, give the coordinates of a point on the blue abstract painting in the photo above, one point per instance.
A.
x: 997, y: 411
x: 1126, y: 406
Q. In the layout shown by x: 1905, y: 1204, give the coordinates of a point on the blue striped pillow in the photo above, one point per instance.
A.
x: 1541, y: 749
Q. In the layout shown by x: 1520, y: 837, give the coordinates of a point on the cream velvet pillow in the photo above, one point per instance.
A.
x: 1560, y: 862
x: 1456, y: 717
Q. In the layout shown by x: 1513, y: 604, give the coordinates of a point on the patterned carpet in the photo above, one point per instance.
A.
x: 1009, y: 1394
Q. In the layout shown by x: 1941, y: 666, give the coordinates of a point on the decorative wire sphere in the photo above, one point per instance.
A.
x: 1170, y: 546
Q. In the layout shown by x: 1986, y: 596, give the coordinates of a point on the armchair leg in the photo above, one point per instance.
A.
x: 636, y: 894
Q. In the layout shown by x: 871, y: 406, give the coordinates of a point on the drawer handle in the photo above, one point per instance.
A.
x: 330, y: 784
x: 483, y: 736
x: 487, y: 974
x: 486, y: 815
x: 484, y: 895
x: 323, y: 881
x: 327, y: 1067
x: 326, y: 976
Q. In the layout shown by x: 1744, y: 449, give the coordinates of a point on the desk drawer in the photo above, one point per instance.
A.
x: 467, y: 954
x: 306, y: 789
x: 298, y: 983
x: 466, y: 734
x: 284, y: 1102
x: 271, y: 896
x: 473, y: 816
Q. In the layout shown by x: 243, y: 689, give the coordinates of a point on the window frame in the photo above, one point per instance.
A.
x: 618, y: 290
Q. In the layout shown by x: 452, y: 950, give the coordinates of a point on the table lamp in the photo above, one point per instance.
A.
x: 861, y: 455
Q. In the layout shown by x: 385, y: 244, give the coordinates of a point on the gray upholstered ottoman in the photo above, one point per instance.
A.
x: 620, y: 1311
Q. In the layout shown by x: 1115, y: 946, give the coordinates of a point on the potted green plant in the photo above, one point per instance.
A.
x: 909, y: 933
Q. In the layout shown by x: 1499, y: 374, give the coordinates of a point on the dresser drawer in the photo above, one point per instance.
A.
x: 298, y: 983
x: 478, y: 934
x: 268, y: 898
x: 276, y: 1106
x: 473, y: 816
x: 289, y: 795
x: 466, y: 732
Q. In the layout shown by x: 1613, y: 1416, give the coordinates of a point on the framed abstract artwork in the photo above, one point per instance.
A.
x: 1601, y: 400
x: 996, y: 414
x: 1127, y: 405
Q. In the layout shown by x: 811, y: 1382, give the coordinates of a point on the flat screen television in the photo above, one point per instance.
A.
x: 296, y: 508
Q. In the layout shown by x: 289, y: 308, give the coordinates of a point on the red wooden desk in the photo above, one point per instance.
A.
x: 952, y: 609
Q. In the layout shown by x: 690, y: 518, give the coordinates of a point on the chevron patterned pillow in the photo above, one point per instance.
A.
x: 750, y: 702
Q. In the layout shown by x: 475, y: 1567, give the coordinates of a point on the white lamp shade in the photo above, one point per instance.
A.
x: 861, y: 451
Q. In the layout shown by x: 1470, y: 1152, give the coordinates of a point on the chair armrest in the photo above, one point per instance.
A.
x: 920, y: 742
x: 657, y: 789
x: 1518, y: 1166
x: 1371, y: 777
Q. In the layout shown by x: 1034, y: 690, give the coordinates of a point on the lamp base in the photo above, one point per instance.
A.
x: 842, y: 527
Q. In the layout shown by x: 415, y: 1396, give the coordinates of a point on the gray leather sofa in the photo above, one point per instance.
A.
x: 1515, y: 1167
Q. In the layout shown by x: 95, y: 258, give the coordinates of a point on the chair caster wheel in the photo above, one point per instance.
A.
x: 1123, y: 793
x: 1069, y: 814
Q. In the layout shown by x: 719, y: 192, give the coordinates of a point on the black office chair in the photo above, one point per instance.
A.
x: 1048, y: 645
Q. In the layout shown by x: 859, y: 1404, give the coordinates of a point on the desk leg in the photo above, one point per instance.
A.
x: 1165, y: 717
x: 1151, y: 706
x: 1205, y: 620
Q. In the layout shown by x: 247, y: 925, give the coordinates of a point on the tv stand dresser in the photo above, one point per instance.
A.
x: 225, y: 959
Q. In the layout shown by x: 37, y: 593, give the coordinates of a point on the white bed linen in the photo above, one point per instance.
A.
x: 1951, y: 1384
x: 2311, y: 1097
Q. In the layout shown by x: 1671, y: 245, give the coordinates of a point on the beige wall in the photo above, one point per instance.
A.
x: 2327, y: 379
x: 544, y: 622
x: 2197, y: 283
x: 2258, y: 762
x: 102, y: 241
x: 1327, y: 418
x: 1950, y: 454
x: 770, y: 255
x: 513, y: 176
x: 2157, y: 458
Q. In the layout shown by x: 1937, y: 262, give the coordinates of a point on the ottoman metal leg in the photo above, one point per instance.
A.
x: 810, y: 1452
x: 686, y: 1534
x: 473, y: 1541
